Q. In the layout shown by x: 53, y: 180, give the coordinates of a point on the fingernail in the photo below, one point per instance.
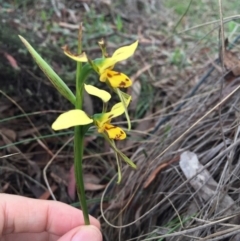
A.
x: 89, y: 232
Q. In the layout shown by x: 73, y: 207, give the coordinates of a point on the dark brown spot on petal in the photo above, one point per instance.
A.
x: 127, y: 79
x: 118, y: 137
x: 109, y: 75
x: 117, y: 73
x: 122, y: 84
x: 110, y: 128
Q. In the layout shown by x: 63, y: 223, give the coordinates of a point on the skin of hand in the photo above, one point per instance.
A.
x: 26, y: 219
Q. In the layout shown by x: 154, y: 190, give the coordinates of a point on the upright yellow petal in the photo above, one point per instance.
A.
x: 117, y: 109
x: 125, y: 52
x: 101, y: 119
x: 116, y: 79
x: 119, y: 55
x: 77, y: 57
x: 102, y: 94
x: 114, y: 132
x: 71, y: 118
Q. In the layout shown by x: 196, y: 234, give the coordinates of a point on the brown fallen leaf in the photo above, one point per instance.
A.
x: 117, y: 205
x: 11, y: 60
x: 89, y: 177
x: 10, y: 134
x: 71, y: 187
x: 142, y: 128
x: 137, y: 216
x: 5, y: 187
x: 59, y: 175
x: 231, y: 61
x: 91, y: 182
x: 46, y: 195
x: 93, y: 187
x: 4, y: 107
x: 158, y: 169
x: 135, y: 91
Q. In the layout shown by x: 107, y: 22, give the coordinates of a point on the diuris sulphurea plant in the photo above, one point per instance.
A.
x: 77, y: 117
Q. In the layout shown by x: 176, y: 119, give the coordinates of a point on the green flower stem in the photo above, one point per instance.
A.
x: 79, y: 139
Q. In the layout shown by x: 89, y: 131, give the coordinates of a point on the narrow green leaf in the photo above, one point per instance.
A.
x: 124, y: 97
x: 119, y: 169
x: 57, y: 82
x: 128, y: 161
x: 124, y: 157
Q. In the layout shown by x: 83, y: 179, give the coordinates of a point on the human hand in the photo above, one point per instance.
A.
x: 26, y: 219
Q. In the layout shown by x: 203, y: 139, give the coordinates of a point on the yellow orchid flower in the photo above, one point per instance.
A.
x: 78, y: 57
x: 105, y: 66
x: 102, y: 121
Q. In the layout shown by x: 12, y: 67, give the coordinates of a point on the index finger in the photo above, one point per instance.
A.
x: 21, y: 215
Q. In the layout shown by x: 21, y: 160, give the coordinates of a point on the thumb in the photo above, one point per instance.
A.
x: 83, y: 233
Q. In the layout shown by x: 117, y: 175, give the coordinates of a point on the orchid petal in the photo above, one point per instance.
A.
x: 119, y: 55
x: 125, y: 52
x: 71, y: 118
x: 80, y: 57
x: 117, y: 110
x: 101, y: 119
x: 116, y: 79
x: 114, y: 132
x: 102, y: 94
